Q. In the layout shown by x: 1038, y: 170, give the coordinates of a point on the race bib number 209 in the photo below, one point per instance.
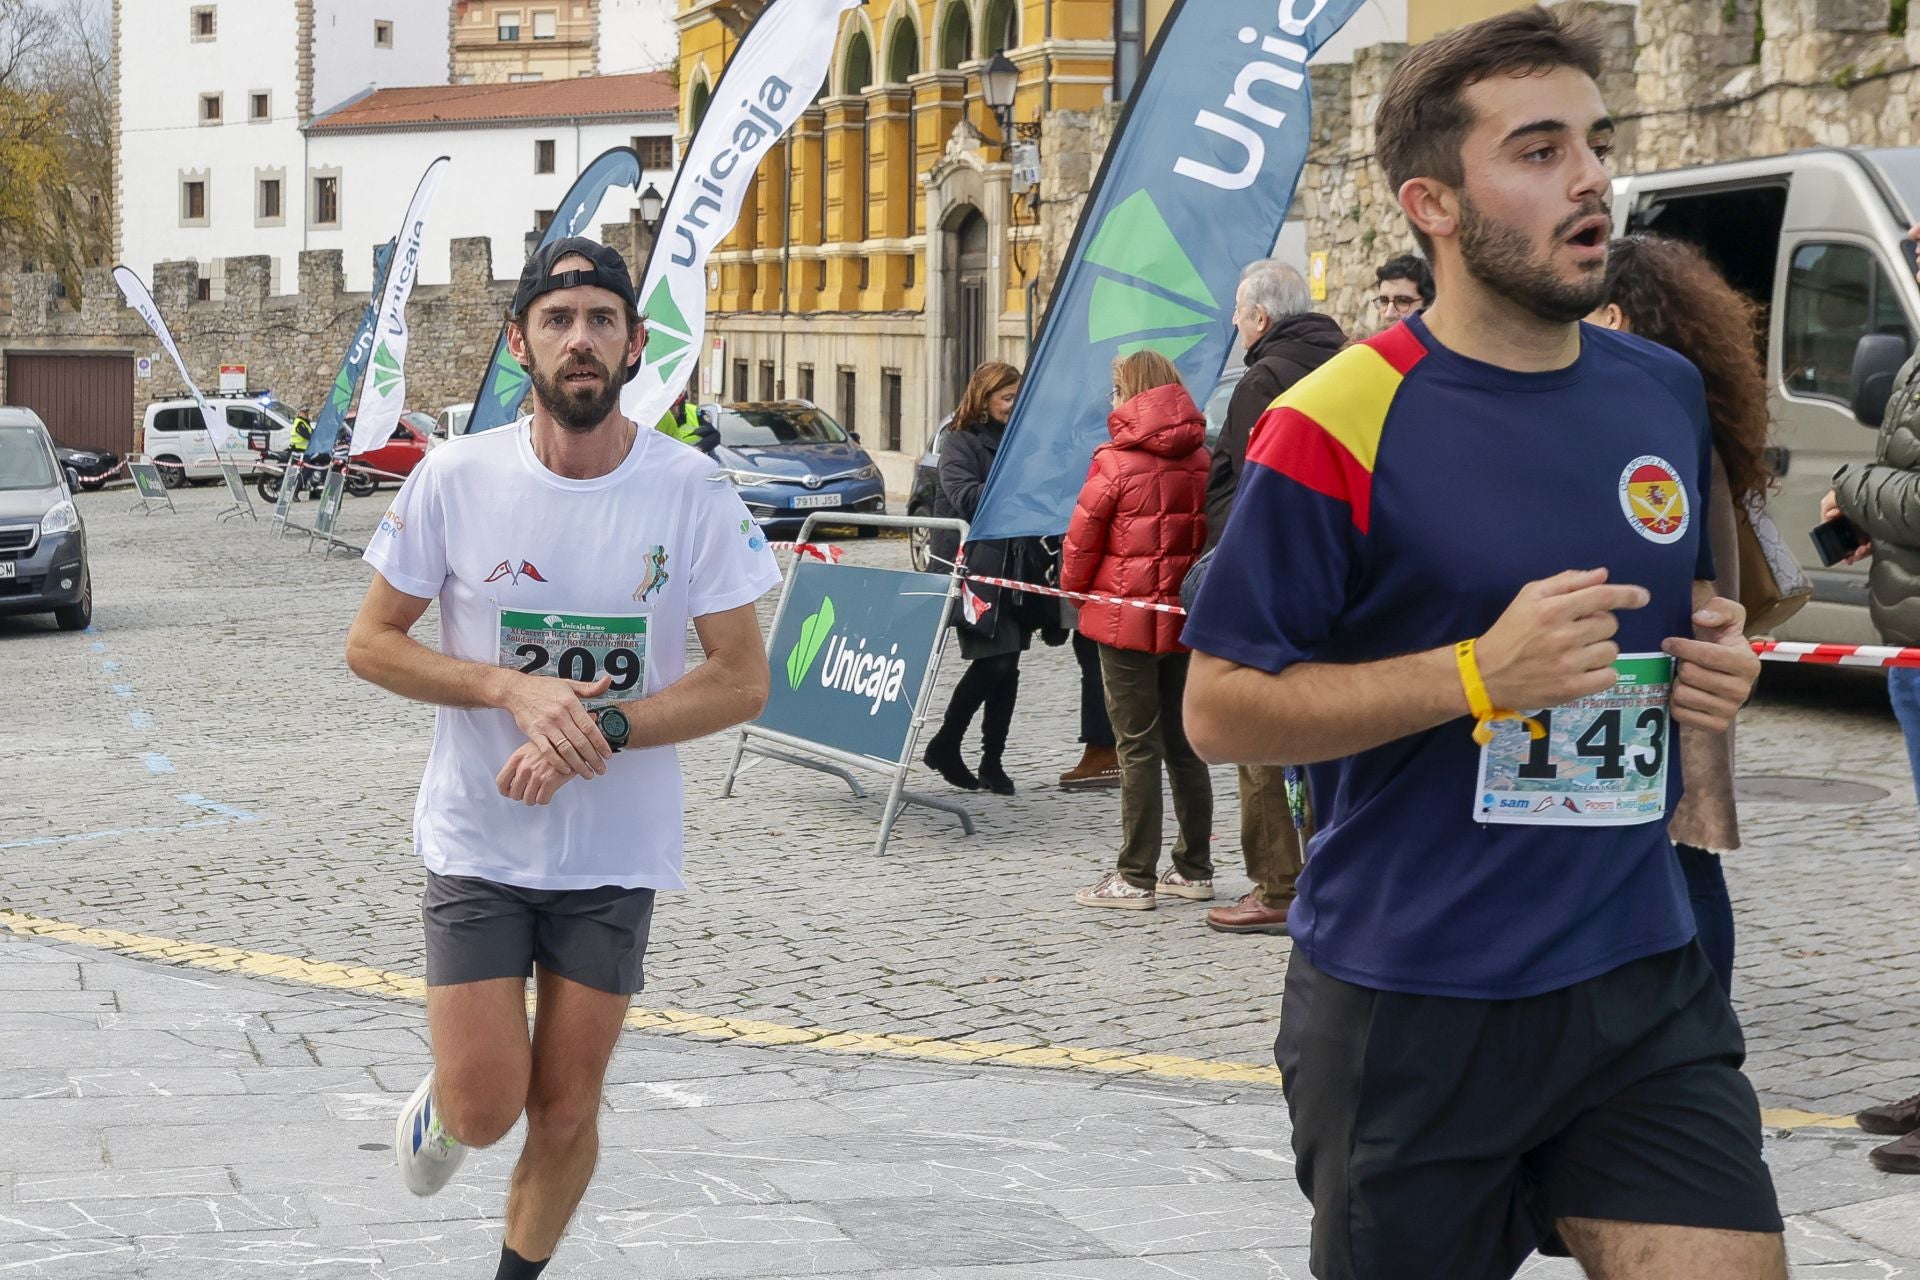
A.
x: 576, y: 646
x: 1602, y: 761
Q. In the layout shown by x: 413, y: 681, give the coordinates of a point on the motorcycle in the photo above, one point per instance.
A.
x: 358, y: 483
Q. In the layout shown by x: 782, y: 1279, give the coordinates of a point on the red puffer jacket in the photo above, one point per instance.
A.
x: 1141, y: 520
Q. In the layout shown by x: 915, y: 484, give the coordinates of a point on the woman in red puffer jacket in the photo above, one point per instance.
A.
x: 1139, y: 525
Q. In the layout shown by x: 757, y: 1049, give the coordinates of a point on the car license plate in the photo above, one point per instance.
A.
x: 7, y: 569
x: 808, y: 501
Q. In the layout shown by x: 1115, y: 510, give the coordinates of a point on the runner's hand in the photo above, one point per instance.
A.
x: 528, y: 778
x: 1555, y: 641
x: 1716, y: 669
x: 549, y: 712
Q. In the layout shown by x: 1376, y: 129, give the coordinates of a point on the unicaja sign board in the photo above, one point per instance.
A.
x: 781, y: 64
x: 1195, y: 186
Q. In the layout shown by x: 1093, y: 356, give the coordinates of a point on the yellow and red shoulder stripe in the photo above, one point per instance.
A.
x: 1324, y: 431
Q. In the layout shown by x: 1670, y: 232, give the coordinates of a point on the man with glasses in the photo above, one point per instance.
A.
x: 1406, y: 286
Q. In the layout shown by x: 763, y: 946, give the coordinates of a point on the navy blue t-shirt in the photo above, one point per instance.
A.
x: 1395, y: 501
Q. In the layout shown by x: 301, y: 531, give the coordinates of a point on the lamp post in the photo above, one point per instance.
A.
x: 652, y: 204
x: 999, y: 81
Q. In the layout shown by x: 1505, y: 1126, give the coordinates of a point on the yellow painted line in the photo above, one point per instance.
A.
x: 394, y: 986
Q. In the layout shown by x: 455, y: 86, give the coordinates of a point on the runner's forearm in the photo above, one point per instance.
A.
x: 394, y: 660
x: 1316, y: 711
x: 722, y: 692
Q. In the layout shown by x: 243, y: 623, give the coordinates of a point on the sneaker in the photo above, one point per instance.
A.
x: 1179, y: 886
x: 1114, y: 891
x: 428, y: 1155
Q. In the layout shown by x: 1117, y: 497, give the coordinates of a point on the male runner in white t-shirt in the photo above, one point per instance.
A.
x: 568, y: 553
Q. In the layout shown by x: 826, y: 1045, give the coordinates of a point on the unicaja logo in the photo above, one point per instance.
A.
x: 1242, y: 115
x: 849, y: 667
x: 1155, y: 297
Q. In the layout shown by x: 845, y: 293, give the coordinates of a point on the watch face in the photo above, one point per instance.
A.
x: 613, y: 723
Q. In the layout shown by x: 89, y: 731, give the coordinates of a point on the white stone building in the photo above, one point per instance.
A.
x: 514, y: 150
x: 211, y: 94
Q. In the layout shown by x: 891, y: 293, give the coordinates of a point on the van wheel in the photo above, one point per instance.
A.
x: 76, y: 616
x: 172, y: 474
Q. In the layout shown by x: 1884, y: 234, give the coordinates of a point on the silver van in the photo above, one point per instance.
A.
x: 1818, y: 239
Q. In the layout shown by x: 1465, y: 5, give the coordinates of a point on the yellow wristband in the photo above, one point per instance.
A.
x: 1477, y: 701
x: 1480, y: 704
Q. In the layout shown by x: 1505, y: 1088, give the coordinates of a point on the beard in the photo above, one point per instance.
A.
x: 1502, y: 258
x: 576, y: 408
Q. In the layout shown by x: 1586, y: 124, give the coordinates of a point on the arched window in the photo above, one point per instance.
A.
x: 956, y: 36
x: 697, y: 104
x: 859, y: 64
x: 903, y: 52
x: 1002, y: 30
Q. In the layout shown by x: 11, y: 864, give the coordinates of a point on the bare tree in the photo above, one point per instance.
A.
x: 56, y: 163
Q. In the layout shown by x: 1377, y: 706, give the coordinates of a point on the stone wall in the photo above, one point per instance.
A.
x: 1690, y: 81
x: 291, y: 344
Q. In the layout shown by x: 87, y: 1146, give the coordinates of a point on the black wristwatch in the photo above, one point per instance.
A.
x: 614, y: 726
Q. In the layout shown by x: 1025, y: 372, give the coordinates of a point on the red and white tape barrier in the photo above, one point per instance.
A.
x: 1152, y: 606
x: 1837, y: 655
x: 817, y: 550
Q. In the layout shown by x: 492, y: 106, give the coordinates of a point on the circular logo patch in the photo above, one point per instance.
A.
x: 1654, y: 499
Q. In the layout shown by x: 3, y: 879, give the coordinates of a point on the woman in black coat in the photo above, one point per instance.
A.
x: 1003, y: 621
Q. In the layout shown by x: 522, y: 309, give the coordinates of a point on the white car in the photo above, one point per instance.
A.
x: 452, y: 421
x: 175, y: 437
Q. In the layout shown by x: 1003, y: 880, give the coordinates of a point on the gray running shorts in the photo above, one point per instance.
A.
x: 478, y: 929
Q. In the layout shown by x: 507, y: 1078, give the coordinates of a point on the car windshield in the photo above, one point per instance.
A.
x: 280, y: 410
x: 1901, y: 168
x: 782, y: 424
x: 421, y: 422
x: 23, y: 459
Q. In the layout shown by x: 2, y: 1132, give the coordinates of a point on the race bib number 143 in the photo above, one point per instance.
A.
x: 1602, y: 761
x: 576, y: 646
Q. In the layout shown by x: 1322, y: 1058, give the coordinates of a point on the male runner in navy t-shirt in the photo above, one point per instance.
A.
x: 1498, y: 1033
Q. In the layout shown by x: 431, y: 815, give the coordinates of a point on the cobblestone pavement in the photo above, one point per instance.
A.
x: 201, y: 766
x: 211, y: 1127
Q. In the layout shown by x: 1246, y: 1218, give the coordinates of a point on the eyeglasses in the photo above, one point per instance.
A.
x: 1399, y: 306
x: 1115, y: 396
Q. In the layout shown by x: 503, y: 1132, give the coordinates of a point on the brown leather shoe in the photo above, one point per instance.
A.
x: 1893, y: 1119
x: 1899, y: 1156
x: 1249, y: 915
x: 1099, y: 767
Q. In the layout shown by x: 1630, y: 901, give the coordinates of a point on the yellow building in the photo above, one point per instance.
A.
x: 498, y: 41
x: 891, y: 243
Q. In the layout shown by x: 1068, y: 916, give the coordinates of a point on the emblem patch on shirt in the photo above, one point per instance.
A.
x: 656, y: 574
x: 1654, y: 499
x: 505, y: 569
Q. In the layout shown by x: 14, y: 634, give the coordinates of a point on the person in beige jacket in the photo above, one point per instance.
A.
x: 1667, y: 292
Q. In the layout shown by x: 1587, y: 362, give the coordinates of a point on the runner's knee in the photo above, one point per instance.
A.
x: 563, y: 1113
x: 479, y: 1106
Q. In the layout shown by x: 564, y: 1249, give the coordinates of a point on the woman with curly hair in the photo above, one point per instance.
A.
x: 1667, y: 292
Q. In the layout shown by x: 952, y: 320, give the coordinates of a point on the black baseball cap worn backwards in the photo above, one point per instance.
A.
x: 609, y: 272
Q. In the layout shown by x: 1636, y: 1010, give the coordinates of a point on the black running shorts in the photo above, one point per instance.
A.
x: 1441, y: 1139
x: 477, y: 929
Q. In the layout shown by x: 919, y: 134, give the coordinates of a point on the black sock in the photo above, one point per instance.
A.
x: 515, y: 1267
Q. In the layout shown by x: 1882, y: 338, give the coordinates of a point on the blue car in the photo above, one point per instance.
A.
x: 790, y: 460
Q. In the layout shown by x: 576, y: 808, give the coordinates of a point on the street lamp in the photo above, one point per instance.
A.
x: 652, y: 204
x: 999, y: 81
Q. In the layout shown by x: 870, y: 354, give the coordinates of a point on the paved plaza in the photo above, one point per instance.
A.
x: 927, y: 1064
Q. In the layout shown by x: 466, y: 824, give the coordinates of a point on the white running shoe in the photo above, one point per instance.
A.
x: 428, y: 1155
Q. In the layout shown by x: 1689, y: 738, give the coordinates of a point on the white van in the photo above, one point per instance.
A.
x: 175, y: 437
x: 1817, y: 238
x: 452, y: 421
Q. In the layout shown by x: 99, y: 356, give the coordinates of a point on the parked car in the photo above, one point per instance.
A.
x: 453, y: 421
x: 1220, y: 397
x: 86, y: 468
x: 1816, y: 238
x: 926, y: 487
x: 411, y: 438
x: 789, y: 459
x: 175, y: 438
x: 43, y: 544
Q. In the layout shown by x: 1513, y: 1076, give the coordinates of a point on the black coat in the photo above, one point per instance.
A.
x: 1286, y: 353
x: 965, y: 459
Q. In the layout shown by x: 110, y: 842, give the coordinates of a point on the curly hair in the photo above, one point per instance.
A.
x: 988, y: 380
x: 1673, y: 296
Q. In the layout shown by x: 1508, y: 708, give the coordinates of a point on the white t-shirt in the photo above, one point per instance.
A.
x: 565, y: 577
